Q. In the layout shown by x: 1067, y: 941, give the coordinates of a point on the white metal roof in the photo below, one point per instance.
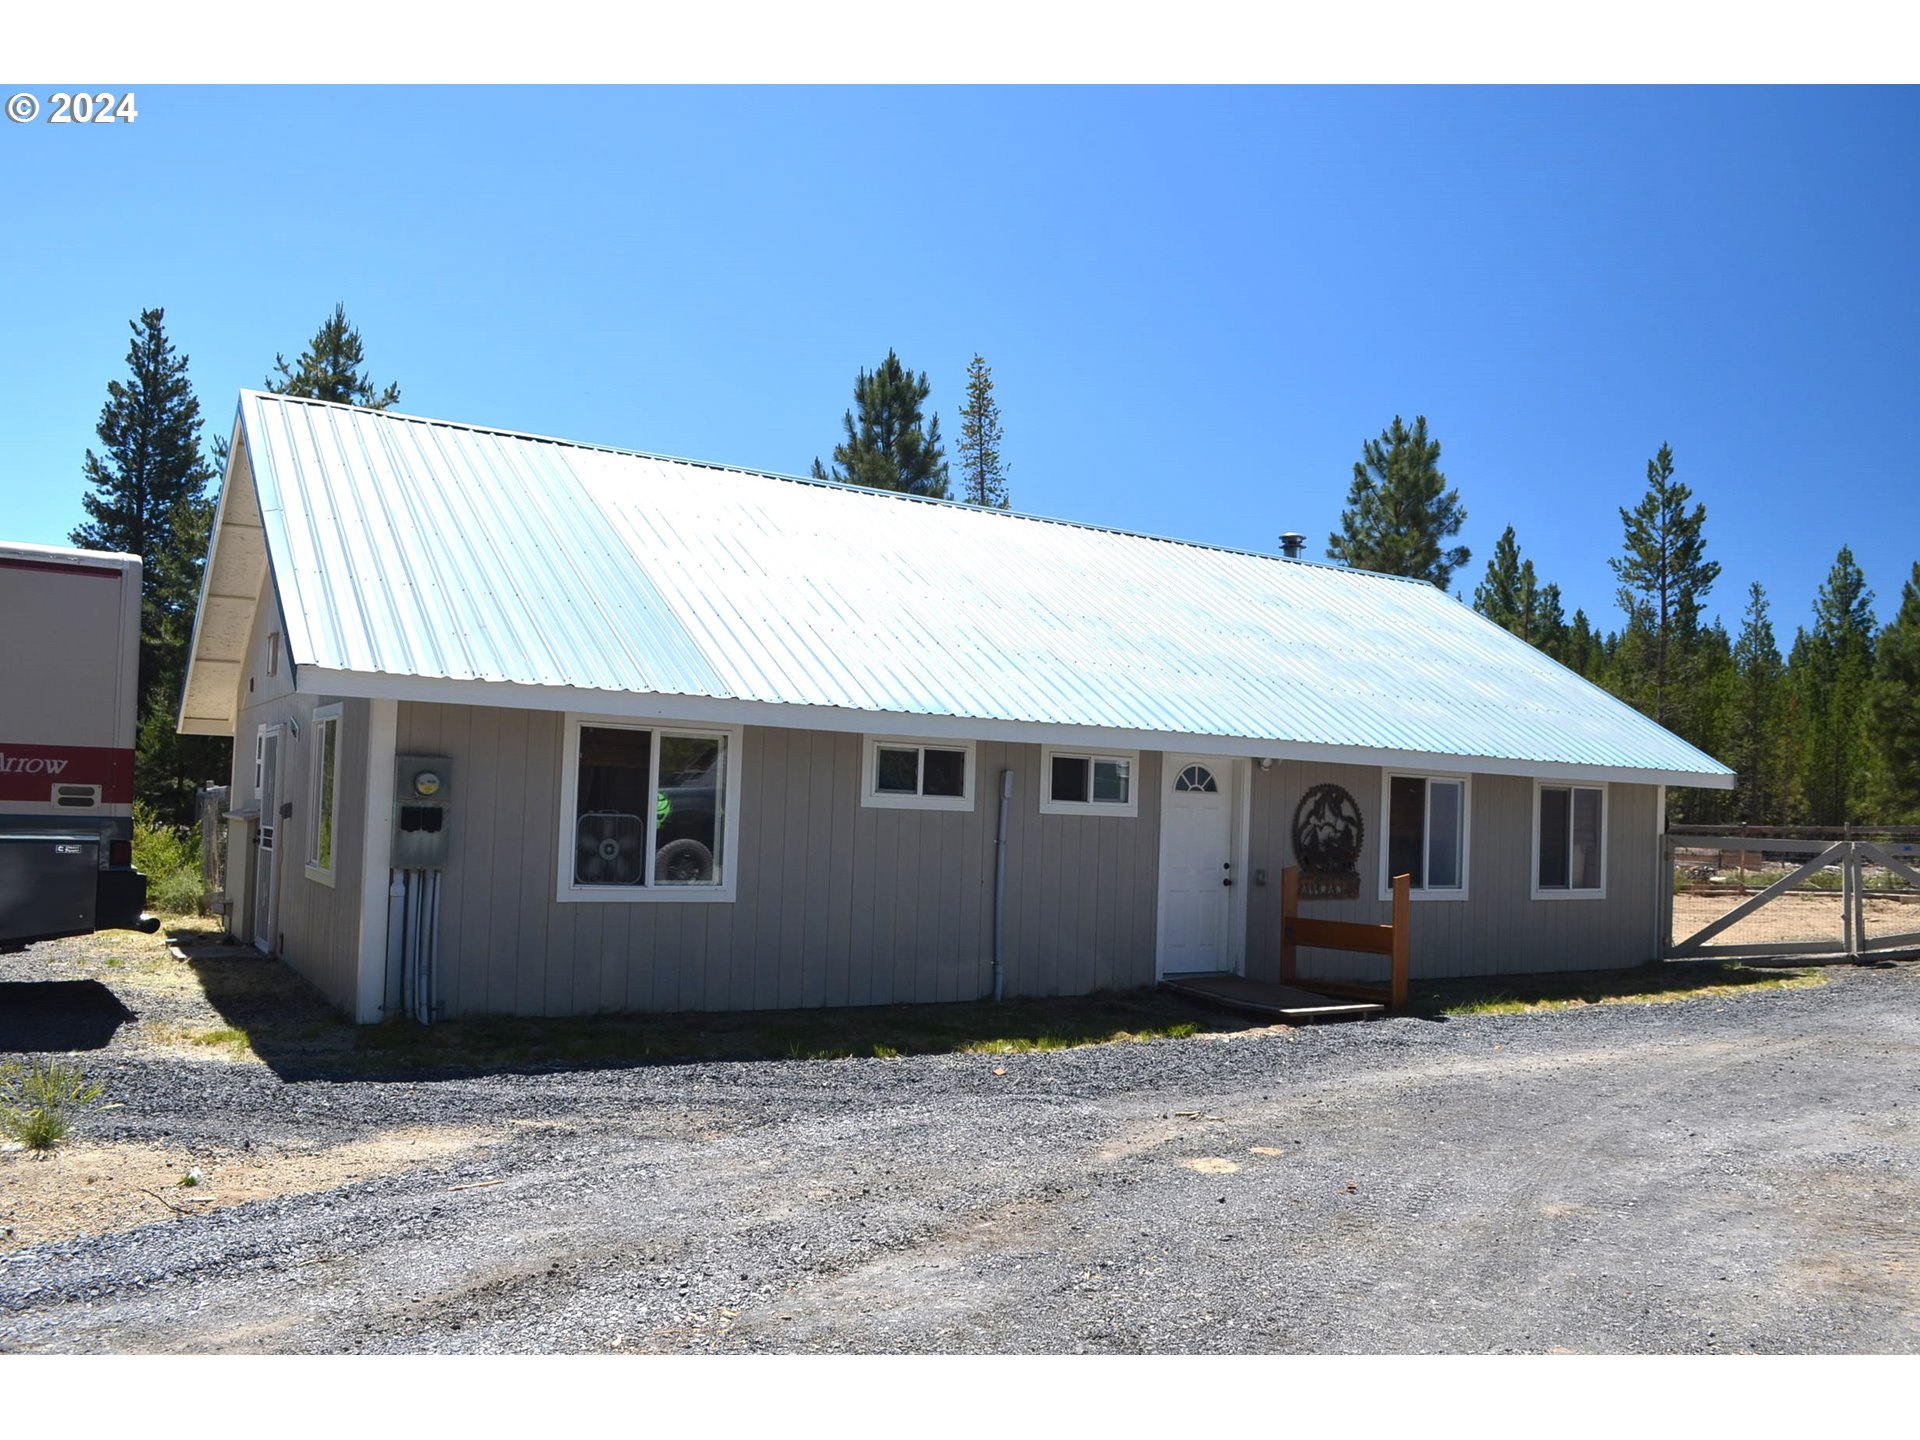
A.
x: 424, y: 559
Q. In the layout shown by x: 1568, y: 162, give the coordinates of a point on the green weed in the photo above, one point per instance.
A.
x: 170, y: 859
x: 40, y: 1101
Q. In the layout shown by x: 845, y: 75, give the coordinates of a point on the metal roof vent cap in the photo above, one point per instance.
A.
x: 1292, y: 543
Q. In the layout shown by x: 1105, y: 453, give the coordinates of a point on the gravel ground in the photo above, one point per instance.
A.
x: 1705, y: 1175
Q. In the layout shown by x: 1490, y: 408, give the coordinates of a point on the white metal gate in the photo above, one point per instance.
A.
x: 1898, y: 852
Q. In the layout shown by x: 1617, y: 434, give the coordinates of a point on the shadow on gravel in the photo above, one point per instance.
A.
x: 57, y: 1015
x: 293, y: 1030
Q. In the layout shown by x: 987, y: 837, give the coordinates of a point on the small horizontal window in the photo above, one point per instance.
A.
x: 1087, y: 782
x: 917, y: 774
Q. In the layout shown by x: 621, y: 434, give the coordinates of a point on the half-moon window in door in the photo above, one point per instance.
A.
x: 1198, y: 778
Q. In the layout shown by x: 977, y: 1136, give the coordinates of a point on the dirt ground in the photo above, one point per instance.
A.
x: 94, y: 1188
x: 155, y: 1007
x: 1797, y: 915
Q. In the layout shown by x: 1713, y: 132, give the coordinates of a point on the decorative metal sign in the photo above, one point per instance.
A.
x: 1327, y: 835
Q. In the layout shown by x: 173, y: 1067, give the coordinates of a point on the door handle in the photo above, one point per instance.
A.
x: 1226, y: 882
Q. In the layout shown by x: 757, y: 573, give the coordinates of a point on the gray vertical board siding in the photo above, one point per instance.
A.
x: 765, y: 831
x: 815, y: 957
x: 503, y: 793
x: 1499, y: 928
x: 1031, y: 975
x: 837, y: 903
x: 863, y: 908
x: 320, y: 924
x: 536, y: 825
x: 796, y: 893
x: 477, y: 870
x: 845, y: 772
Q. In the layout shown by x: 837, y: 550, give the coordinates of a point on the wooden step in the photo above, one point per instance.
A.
x: 1259, y: 997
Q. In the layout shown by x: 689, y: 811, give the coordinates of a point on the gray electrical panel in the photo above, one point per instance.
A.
x: 421, y: 787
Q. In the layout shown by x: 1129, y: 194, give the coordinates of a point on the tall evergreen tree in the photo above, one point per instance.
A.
x: 1715, y: 696
x: 150, y: 485
x: 1753, y: 748
x: 1512, y: 597
x: 148, y: 498
x: 1664, y: 580
x: 1832, y: 666
x: 1399, y: 510
x: 983, y: 474
x: 330, y: 369
x: 889, y: 447
x: 1581, y: 650
x: 1893, y: 710
x: 1498, y: 594
x: 1546, y: 621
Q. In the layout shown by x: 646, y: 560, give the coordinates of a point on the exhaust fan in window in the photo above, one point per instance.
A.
x: 608, y: 848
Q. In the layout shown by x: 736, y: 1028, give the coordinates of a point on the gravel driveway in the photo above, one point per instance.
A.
x: 1734, y: 1174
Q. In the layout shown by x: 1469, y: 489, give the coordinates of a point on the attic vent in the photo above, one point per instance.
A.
x: 1292, y: 543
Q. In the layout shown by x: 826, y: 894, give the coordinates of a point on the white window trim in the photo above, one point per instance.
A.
x: 872, y: 799
x: 1051, y: 806
x: 315, y: 870
x: 1606, y: 822
x: 1387, y: 777
x: 568, y: 892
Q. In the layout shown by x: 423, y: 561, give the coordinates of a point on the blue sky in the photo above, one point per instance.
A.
x: 1197, y: 303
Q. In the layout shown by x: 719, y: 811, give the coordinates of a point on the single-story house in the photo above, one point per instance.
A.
x: 538, y: 728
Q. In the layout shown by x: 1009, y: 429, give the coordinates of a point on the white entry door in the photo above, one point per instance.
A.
x: 1198, y: 883
x: 268, y: 833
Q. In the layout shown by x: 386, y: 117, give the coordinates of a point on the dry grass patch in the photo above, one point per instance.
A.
x: 205, y: 1042
x: 95, y: 1189
x: 1644, y: 985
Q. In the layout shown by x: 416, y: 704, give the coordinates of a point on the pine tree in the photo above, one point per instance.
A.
x: 1833, y: 668
x: 1893, y: 710
x: 1710, y: 722
x: 1664, y: 580
x: 1547, y: 622
x: 1581, y: 652
x: 1399, y: 510
x: 148, y: 498
x: 150, y: 484
x: 329, y: 369
x: 1512, y: 597
x: 1753, y: 749
x: 888, y: 447
x: 983, y: 475
x: 1498, y: 595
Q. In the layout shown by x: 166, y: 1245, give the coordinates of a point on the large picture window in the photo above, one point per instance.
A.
x: 650, y: 812
x: 1426, y: 835
x: 324, y: 800
x: 1088, y: 782
x: 917, y: 774
x: 1569, y: 841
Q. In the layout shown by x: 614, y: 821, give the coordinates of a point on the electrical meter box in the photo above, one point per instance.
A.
x: 421, y: 787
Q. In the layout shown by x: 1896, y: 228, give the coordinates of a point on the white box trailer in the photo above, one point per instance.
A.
x: 69, y: 678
